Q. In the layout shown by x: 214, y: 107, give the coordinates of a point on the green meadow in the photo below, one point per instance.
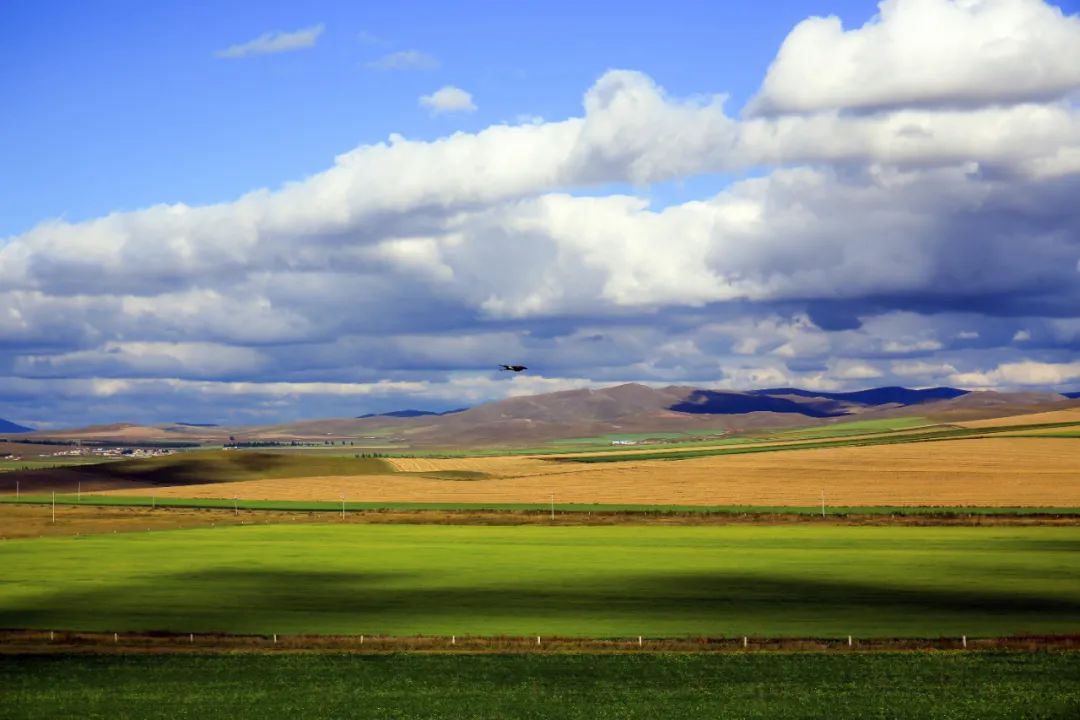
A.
x: 227, y: 503
x: 656, y: 581
x: 944, y: 685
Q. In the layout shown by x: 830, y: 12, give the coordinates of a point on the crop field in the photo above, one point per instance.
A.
x: 995, y: 471
x: 213, y: 467
x: 988, y: 686
x: 655, y: 581
x: 854, y: 427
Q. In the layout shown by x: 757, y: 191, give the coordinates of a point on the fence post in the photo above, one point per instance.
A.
x: 745, y: 642
x: 963, y: 639
x: 849, y: 641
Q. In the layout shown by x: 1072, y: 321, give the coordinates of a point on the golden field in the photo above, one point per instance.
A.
x: 985, y: 471
x: 1070, y: 415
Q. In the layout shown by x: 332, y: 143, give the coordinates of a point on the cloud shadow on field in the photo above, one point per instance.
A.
x: 268, y: 600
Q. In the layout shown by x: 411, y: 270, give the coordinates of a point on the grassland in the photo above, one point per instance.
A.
x: 990, y: 472
x: 44, y: 463
x: 791, y: 581
x: 833, y: 440
x: 940, y: 685
x: 151, y: 502
x: 205, y: 467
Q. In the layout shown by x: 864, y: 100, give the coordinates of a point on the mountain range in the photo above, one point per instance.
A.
x: 9, y: 427
x: 621, y: 409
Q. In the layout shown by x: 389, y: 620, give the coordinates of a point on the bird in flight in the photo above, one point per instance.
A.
x: 513, y: 368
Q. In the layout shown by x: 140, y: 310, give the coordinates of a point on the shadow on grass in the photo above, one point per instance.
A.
x: 188, y: 469
x: 268, y: 600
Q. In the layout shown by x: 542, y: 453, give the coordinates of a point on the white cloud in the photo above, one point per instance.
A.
x: 858, y: 238
x: 1022, y: 336
x: 198, y: 359
x: 922, y: 369
x: 853, y: 370
x: 448, y: 99
x: 944, y: 52
x: 274, y: 42
x: 1026, y: 373
x: 911, y: 346
x: 405, y: 60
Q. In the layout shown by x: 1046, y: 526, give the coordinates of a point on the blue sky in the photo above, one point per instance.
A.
x: 121, y: 105
x: 193, y: 233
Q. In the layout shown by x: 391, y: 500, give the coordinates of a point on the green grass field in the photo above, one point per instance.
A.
x: 854, y: 427
x: 884, y: 438
x: 227, y: 503
x: 43, y: 463
x: 913, y: 685
x: 783, y: 581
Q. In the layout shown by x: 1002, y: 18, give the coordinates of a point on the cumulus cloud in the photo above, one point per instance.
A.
x: 405, y: 60
x: 448, y: 99
x: 1021, y: 373
x: 277, y: 41
x: 926, y: 52
x: 903, y: 245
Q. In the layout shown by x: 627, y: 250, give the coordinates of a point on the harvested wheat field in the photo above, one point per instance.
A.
x: 1054, y: 416
x: 985, y: 471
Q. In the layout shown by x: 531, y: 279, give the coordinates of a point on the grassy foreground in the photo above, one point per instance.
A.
x: 938, y: 685
x: 351, y: 506
x: 656, y: 581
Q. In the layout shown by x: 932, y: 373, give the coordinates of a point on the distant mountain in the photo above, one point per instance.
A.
x: 712, y: 402
x: 410, y: 413
x: 1072, y: 395
x: 10, y: 427
x: 198, y: 425
x: 622, y: 409
x: 875, y: 396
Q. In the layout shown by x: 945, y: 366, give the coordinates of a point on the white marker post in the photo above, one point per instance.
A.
x: 552, y: 506
x: 342, y: 507
x: 78, y: 494
x: 17, y: 490
x: 235, y: 506
x: 54, y: 506
x: 822, y: 503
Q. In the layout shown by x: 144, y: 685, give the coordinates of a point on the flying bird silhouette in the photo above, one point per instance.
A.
x: 513, y: 368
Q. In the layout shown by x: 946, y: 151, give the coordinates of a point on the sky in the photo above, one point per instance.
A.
x: 252, y: 212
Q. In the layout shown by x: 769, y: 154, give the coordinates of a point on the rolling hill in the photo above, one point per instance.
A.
x: 622, y: 409
x: 8, y: 427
